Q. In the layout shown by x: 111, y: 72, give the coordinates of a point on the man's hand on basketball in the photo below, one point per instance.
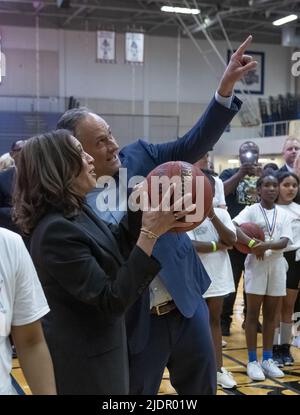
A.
x: 238, y: 66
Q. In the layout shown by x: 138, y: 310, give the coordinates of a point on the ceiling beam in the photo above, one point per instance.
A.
x: 75, y: 14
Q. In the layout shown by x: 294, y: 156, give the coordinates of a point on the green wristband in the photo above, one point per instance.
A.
x: 214, y: 246
x: 251, y: 243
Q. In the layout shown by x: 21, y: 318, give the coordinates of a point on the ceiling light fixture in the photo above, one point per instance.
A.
x: 285, y: 19
x: 183, y: 10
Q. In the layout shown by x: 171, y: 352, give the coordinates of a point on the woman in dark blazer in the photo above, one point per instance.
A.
x: 88, y: 283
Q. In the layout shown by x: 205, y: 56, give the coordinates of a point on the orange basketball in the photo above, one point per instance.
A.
x: 188, y: 179
x: 253, y: 231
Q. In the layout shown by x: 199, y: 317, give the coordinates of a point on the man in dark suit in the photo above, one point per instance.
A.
x: 289, y: 152
x: 168, y: 325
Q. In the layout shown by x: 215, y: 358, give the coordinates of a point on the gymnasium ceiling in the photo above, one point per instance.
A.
x: 239, y: 17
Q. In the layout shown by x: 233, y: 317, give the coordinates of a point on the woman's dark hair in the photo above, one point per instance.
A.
x: 264, y: 175
x: 284, y: 174
x: 46, y: 170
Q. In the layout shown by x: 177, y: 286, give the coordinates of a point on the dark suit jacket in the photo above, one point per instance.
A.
x: 182, y: 272
x: 283, y: 169
x: 88, y: 286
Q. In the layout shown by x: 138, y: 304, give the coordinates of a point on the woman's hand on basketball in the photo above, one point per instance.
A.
x: 160, y: 219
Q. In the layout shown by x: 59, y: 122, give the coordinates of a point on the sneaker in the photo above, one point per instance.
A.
x: 270, y: 369
x: 296, y: 341
x: 277, y: 356
x: 225, y: 379
x: 254, y: 371
x: 225, y: 327
x: 287, y: 358
x: 224, y: 343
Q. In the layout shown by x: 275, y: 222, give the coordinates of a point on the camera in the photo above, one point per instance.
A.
x: 250, y: 157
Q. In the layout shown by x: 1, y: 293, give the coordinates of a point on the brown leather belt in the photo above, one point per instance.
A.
x: 164, y: 308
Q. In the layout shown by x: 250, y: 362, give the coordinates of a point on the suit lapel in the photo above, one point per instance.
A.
x: 100, y: 232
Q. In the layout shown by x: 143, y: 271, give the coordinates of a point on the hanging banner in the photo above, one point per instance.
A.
x: 106, y: 46
x: 134, y: 47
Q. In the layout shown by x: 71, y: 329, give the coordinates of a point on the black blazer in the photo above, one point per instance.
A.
x: 283, y: 169
x: 89, y: 286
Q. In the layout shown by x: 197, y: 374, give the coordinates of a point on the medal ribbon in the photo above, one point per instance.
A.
x: 270, y: 228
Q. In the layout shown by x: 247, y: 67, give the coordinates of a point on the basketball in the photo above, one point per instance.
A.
x: 185, y: 176
x: 253, y: 231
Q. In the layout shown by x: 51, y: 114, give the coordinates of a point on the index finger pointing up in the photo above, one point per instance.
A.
x: 244, y: 46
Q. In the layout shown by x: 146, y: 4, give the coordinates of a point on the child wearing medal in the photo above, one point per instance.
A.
x: 265, y: 272
x: 288, y: 190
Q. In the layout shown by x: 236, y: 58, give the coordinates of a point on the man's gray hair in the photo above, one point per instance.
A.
x: 71, y: 118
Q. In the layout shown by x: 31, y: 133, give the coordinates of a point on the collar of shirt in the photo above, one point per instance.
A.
x: 290, y: 169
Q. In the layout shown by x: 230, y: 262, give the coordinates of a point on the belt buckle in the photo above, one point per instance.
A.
x: 157, y: 307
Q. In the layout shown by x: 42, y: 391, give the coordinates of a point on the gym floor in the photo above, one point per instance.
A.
x: 235, y: 359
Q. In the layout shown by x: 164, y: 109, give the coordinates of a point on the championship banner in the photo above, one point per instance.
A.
x: 134, y: 47
x: 106, y: 46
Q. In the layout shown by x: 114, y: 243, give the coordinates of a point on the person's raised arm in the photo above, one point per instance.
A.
x: 207, y: 131
x: 238, y: 66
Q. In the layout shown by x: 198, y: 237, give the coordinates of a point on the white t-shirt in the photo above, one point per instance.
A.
x: 219, y: 197
x: 217, y: 264
x: 22, y: 300
x: 283, y: 224
x: 293, y: 209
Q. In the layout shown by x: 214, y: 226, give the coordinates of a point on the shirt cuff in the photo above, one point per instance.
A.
x: 225, y: 101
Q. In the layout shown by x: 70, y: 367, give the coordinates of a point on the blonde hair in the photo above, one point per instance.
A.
x: 6, y: 161
x: 290, y: 138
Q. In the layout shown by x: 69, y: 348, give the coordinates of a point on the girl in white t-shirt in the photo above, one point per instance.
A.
x: 265, y: 272
x: 211, y: 239
x: 22, y: 304
x: 288, y: 189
